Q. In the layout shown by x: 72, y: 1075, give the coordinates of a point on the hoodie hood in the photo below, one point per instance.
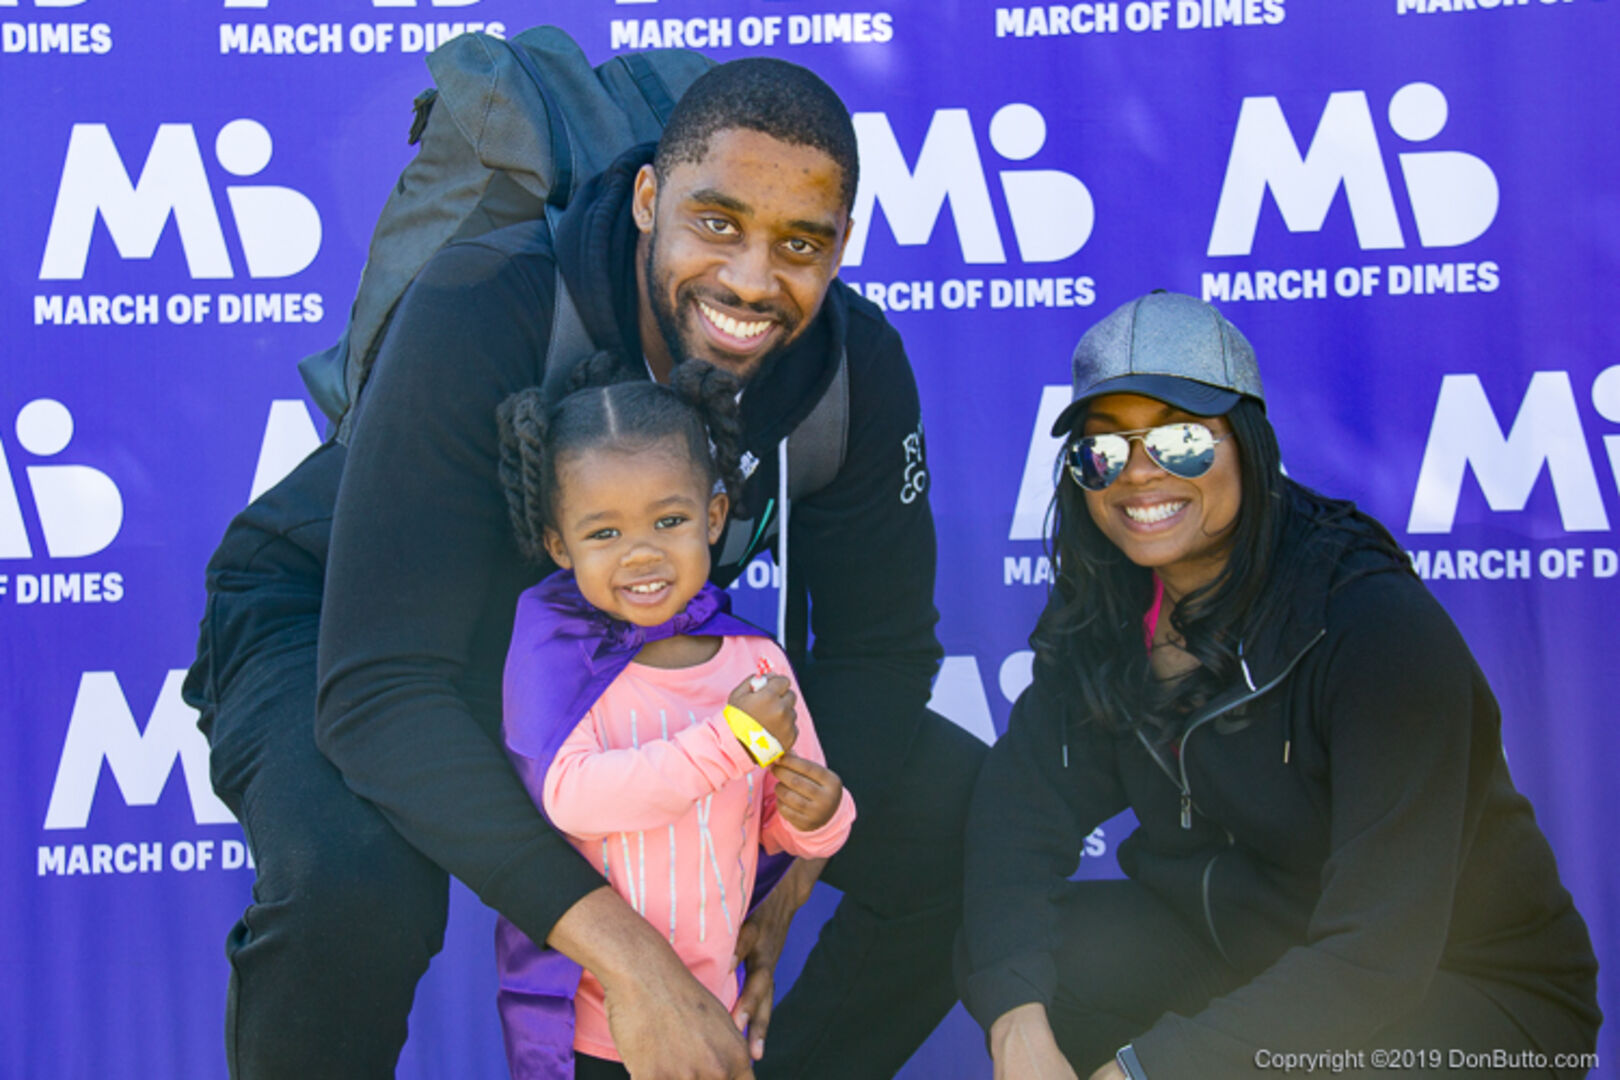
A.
x: 1326, y: 545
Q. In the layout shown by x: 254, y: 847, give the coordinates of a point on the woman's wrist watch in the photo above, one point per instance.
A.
x: 1125, y: 1058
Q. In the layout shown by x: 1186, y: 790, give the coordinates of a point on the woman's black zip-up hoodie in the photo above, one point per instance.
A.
x: 1350, y: 827
x: 423, y: 572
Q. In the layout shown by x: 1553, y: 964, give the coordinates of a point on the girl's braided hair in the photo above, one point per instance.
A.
x: 608, y: 406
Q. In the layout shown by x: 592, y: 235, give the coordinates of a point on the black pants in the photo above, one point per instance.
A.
x: 346, y: 914
x: 1125, y: 959
x: 589, y: 1068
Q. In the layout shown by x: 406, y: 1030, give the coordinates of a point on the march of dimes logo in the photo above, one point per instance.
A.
x: 109, y: 762
x: 77, y: 510
x: 1453, y: 197
x: 278, y: 228
x: 1051, y: 210
x: 268, y: 37
x: 37, y: 27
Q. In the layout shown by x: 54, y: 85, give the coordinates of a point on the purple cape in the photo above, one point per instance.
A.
x: 563, y: 655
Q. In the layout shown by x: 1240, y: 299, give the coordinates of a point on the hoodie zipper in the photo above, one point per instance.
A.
x: 1181, y: 781
x: 1185, y: 787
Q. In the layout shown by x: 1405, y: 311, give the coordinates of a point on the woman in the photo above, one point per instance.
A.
x: 1330, y: 854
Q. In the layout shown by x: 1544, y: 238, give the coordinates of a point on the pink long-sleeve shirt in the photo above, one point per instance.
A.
x: 656, y: 791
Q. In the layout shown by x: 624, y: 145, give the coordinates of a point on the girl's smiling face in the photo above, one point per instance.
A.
x: 1180, y: 528
x: 635, y: 525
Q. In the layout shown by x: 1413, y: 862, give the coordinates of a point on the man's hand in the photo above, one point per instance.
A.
x: 1022, y: 1046
x: 759, y: 945
x: 1110, y: 1071
x: 666, y: 1025
x: 673, y: 1028
x: 807, y: 794
x: 771, y: 704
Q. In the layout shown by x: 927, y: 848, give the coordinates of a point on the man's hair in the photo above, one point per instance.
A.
x: 773, y: 97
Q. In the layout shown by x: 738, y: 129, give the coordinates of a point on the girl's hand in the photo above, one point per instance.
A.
x: 807, y: 794
x: 1023, y: 1047
x: 771, y: 704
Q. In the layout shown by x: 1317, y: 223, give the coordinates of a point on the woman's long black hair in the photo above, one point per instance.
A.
x: 1091, y: 630
x: 607, y: 405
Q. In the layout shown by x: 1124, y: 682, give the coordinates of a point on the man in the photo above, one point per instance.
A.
x: 724, y: 247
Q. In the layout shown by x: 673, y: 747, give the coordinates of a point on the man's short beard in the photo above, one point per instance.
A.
x: 663, y: 305
x: 665, y: 301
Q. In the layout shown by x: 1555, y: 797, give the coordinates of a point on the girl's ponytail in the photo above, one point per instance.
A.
x: 599, y: 369
x: 713, y: 394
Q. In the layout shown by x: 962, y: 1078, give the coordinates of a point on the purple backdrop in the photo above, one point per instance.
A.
x: 1412, y: 211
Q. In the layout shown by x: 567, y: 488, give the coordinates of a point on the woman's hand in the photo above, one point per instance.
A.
x: 1110, y: 1071
x: 807, y: 794
x: 772, y: 704
x: 1022, y: 1046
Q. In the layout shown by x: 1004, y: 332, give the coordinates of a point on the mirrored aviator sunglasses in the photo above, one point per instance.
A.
x: 1186, y: 450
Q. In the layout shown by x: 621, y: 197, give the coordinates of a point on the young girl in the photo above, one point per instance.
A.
x: 654, y: 729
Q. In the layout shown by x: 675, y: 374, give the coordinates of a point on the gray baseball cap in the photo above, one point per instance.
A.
x: 1168, y: 346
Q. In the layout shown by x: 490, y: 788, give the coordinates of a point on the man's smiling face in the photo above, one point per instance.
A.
x: 737, y: 250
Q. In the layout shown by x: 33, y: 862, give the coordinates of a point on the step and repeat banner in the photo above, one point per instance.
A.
x: 1411, y: 207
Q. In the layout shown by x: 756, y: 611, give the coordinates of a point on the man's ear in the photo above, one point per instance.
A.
x: 644, y: 198
x: 558, y: 552
x: 719, y: 506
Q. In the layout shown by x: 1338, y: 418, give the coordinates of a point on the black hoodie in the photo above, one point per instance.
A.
x: 1340, y: 824
x: 424, y: 573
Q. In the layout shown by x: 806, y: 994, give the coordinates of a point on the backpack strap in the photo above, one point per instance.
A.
x: 570, y: 341
x: 654, y: 91
x: 817, y: 447
x: 562, y: 155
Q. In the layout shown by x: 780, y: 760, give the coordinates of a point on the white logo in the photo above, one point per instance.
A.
x: 959, y: 693
x: 916, y: 480
x: 1052, y: 212
x: 279, y: 227
x: 289, y: 437
x: 80, y: 509
x: 1035, y: 489
x: 103, y: 728
x: 1454, y: 195
x: 1547, y: 432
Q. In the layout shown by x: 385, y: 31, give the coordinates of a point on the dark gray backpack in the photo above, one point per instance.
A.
x: 510, y: 133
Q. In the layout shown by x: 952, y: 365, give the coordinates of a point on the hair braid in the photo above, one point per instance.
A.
x: 602, y: 368
x: 525, y: 473
x: 713, y: 394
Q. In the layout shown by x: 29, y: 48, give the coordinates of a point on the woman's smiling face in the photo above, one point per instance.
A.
x: 1180, y: 528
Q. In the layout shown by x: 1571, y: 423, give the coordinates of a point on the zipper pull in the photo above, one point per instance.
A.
x: 1288, y: 745
x: 1186, y: 810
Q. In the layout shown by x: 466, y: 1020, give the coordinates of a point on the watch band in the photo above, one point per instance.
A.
x: 762, y: 746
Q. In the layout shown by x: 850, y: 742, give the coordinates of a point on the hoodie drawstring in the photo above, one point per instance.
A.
x: 782, y: 549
